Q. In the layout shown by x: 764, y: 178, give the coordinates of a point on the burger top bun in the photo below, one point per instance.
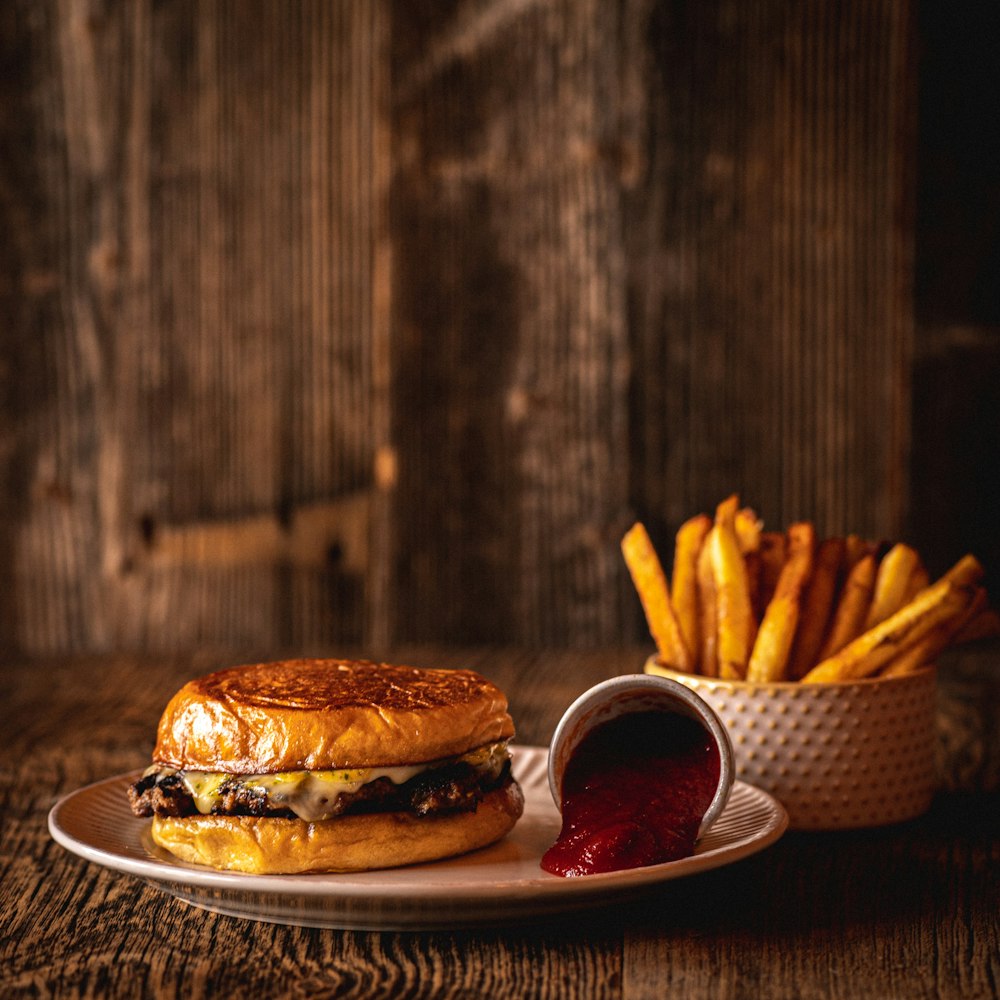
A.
x: 327, y: 714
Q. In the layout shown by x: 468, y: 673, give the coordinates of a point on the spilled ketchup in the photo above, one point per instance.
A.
x: 634, y: 794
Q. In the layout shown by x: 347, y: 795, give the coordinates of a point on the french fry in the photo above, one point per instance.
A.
x: 874, y: 648
x: 926, y: 650
x: 852, y: 607
x: 891, y: 583
x: 684, y: 582
x: 772, y: 559
x: 919, y: 579
x: 771, y: 650
x: 647, y: 575
x: 735, y: 616
x: 968, y: 570
x: 775, y: 606
x: 855, y: 549
x: 817, y: 607
x: 708, y: 619
x: 963, y: 574
x: 748, y: 531
x: 985, y: 625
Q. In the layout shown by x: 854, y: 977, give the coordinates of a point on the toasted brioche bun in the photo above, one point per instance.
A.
x: 327, y: 714
x: 265, y: 846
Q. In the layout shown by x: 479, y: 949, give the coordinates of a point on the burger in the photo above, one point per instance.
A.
x: 330, y: 766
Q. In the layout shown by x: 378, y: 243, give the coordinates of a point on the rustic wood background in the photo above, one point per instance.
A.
x: 362, y: 322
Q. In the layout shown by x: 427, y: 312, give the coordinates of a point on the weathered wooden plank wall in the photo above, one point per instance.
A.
x: 343, y: 322
x: 509, y: 308
x: 713, y: 198
x: 198, y: 326
x: 772, y: 273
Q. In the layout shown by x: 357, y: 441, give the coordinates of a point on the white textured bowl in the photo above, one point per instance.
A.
x: 632, y: 693
x: 837, y: 756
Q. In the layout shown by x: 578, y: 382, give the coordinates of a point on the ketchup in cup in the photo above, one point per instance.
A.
x: 634, y: 791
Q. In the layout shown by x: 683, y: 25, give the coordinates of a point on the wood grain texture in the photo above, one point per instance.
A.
x: 500, y: 276
x: 510, y: 314
x: 901, y: 911
x: 194, y: 265
x: 770, y: 263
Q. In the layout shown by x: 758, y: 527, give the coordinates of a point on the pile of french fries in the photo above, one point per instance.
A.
x: 743, y: 603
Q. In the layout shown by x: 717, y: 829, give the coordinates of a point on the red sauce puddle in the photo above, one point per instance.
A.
x: 634, y: 794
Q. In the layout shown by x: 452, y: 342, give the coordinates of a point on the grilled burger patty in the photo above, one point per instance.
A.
x: 450, y: 788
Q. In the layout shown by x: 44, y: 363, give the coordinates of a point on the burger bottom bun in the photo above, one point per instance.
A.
x: 272, y: 846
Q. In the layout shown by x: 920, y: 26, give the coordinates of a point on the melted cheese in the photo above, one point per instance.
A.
x: 312, y: 795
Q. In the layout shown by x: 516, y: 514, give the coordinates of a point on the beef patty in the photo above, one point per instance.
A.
x: 453, y: 788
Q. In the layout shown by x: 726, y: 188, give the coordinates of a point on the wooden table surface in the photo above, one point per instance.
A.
x: 905, y: 911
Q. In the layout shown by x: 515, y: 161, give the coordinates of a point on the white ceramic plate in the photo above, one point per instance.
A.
x: 492, y: 886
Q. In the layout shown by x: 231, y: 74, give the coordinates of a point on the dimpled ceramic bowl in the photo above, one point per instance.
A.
x: 639, y: 693
x: 837, y: 756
